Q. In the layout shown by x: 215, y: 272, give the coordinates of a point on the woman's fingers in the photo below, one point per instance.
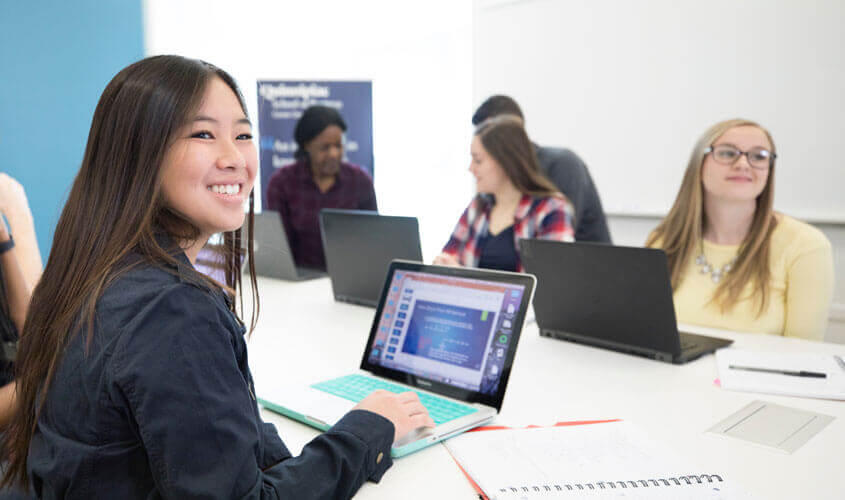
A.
x: 415, y: 408
x: 407, y: 397
x: 420, y: 420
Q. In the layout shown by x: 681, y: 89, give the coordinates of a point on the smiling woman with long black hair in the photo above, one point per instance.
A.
x: 133, y: 379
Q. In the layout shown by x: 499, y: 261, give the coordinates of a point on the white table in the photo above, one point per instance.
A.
x: 304, y: 336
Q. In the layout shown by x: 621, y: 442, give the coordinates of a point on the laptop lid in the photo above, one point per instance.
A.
x: 271, y: 252
x: 449, y: 330
x: 359, y: 245
x: 609, y: 295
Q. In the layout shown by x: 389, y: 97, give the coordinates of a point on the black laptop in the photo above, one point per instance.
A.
x: 272, y: 254
x: 359, y: 246
x: 614, y: 297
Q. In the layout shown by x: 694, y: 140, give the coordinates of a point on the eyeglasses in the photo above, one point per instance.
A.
x: 759, y: 158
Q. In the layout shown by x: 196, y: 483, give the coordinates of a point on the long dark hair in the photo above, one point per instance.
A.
x: 114, y: 208
x: 504, y: 138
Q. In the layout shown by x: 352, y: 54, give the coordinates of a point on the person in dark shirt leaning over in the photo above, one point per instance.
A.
x: 565, y: 169
x: 319, y: 179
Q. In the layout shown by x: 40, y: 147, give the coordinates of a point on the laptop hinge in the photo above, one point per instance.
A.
x: 615, y: 346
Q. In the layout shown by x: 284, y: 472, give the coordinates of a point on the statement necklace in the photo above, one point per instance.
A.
x: 708, y: 268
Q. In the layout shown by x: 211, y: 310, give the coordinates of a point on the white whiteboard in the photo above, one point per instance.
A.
x: 631, y: 85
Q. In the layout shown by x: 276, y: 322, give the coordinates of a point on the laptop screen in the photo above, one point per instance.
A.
x: 452, y: 330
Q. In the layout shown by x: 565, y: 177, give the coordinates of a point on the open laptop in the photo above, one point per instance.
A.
x: 448, y: 333
x: 359, y: 245
x: 614, y: 297
x: 271, y: 250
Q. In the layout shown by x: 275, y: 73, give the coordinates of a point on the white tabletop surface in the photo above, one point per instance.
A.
x: 303, y: 335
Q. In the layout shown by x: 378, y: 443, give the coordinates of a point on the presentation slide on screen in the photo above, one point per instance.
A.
x: 455, y: 335
x: 445, y: 329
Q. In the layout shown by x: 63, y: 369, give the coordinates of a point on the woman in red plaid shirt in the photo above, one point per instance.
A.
x: 514, y: 201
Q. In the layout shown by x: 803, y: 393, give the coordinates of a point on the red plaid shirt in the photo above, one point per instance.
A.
x: 548, y: 218
x: 293, y: 193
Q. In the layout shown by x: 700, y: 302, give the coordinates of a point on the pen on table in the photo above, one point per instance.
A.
x: 794, y: 373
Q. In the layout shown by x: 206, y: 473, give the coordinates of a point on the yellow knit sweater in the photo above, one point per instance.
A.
x: 800, y: 286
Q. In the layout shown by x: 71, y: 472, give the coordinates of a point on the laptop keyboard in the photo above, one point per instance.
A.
x: 356, y: 387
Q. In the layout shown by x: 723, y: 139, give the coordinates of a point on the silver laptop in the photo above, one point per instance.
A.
x: 448, y: 333
x: 271, y: 251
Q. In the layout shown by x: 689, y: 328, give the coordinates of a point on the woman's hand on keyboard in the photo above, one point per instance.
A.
x: 404, y: 410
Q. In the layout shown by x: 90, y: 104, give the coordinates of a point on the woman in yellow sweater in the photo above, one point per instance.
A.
x: 735, y: 263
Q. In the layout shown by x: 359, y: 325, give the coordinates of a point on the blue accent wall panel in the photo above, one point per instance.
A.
x: 56, y: 57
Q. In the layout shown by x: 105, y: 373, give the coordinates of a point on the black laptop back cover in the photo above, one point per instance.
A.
x: 359, y: 246
x: 610, y: 294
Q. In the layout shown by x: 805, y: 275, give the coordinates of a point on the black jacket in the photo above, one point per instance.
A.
x: 163, y: 406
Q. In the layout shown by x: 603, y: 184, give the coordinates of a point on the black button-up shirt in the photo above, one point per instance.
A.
x: 162, y: 406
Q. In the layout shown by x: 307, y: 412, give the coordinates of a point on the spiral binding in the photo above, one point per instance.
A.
x: 616, y: 485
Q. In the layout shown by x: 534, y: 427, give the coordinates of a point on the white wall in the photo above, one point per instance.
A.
x: 418, y: 55
x: 631, y: 85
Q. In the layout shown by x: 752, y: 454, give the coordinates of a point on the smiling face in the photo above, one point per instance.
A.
x: 739, y: 181
x: 209, y: 170
x: 490, y: 178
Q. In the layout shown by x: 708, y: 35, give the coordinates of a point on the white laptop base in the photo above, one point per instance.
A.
x: 322, y: 410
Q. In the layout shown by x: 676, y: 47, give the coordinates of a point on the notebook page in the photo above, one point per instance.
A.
x: 607, y: 460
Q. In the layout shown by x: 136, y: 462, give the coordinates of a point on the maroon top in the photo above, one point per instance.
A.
x: 293, y: 193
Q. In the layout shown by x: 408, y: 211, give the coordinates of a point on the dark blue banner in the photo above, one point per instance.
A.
x: 281, y: 103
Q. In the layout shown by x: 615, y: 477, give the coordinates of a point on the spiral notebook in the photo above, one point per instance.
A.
x: 606, y: 460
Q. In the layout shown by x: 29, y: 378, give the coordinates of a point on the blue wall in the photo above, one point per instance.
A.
x: 56, y: 57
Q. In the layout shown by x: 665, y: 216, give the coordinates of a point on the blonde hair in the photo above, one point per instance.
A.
x: 680, y: 233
